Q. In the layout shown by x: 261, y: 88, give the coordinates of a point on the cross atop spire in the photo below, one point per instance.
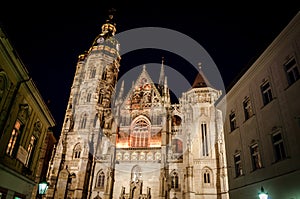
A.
x: 111, y: 13
x: 109, y: 28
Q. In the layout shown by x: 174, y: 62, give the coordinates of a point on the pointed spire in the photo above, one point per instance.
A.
x: 200, y: 80
x: 121, y: 90
x: 162, y: 73
x: 166, y: 90
x: 144, y: 67
x: 166, y: 82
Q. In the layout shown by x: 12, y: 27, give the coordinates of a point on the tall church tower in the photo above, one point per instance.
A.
x: 88, y: 123
x: 138, y: 145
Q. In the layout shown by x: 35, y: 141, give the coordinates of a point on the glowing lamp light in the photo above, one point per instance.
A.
x: 263, y: 194
x: 43, y: 186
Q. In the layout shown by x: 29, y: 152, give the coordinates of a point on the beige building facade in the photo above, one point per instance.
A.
x: 136, y: 144
x: 262, y: 122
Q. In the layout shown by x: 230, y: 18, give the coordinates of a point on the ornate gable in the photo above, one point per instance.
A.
x: 143, y: 94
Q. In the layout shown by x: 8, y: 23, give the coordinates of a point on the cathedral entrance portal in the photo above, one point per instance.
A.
x: 136, y: 186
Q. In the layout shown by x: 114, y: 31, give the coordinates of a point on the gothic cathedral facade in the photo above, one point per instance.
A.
x: 136, y: 145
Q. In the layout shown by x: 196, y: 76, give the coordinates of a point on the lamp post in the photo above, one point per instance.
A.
x: 263, y: 194
x: 43, y: 186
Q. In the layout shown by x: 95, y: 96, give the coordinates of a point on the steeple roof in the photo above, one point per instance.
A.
x: 108, y: 30
x: 201, y: 81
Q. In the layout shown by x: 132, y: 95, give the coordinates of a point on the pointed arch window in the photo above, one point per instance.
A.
x: 140, y: 134
x: 104, y: 75
x: 206, y: 176
x: 100, y: 179
x: 174, y: 180
x: 93, y: 73
x: 83, y: 121
x: 95, y: 120
x: 88, y: 98
x: 136, y: 173
x: 77, y: 151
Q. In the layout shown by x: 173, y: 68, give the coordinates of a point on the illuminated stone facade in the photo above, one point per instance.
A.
x: 136, y: 145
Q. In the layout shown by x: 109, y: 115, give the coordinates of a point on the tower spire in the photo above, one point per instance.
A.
x: 201, y: 80
x: 162, y: 73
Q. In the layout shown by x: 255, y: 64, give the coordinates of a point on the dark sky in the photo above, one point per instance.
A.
x: 49, y: 37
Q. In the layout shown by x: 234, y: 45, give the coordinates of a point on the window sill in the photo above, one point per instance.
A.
x: 239, y: 176
x: 273, y: 99
x: 231, y: 131
x: 246, y: 120
x: 281, y: 160
x: 291, y: 84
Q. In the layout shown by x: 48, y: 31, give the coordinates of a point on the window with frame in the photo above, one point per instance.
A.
x: 292, y: 71
x: 255, y: 157
x: 100, y: 180
x: 204, y: 139
x: 83, y: 121
x: 30, y: 149
x: 13, y: 137
x: 88, y: 98
x: 232, y: 121
x: 248, y: 112
x: 238, y: 165
x: 140, y: 134
x: 206, y: 177
x: 266, y: 92
x: 174, y: 180
x: 96, y: 119
x: 278, y: 145
x: 77, y: 151
x: 93, y: 73
x: 104, y: 75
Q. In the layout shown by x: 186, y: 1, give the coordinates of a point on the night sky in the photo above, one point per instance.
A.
x: 49, y: 37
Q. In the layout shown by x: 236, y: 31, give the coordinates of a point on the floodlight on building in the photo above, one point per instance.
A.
x: 262, y: 194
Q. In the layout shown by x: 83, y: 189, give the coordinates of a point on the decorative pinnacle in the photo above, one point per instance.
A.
x: 200, y: 65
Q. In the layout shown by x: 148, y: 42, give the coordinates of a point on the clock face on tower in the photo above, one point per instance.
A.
x: 100, y: 40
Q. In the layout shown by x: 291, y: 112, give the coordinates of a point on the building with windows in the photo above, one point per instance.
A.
x: 46, y: 152
x: 136, y: 144
x: 262, y: 122
x: 25, y: 122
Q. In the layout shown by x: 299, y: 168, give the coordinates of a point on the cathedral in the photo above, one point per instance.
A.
x: 136, y: 145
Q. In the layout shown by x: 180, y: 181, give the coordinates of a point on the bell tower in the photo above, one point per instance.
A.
x: 88, y: 131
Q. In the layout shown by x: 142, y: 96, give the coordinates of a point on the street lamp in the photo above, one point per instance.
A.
x: 263, y: 194
x: 43, y: 186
